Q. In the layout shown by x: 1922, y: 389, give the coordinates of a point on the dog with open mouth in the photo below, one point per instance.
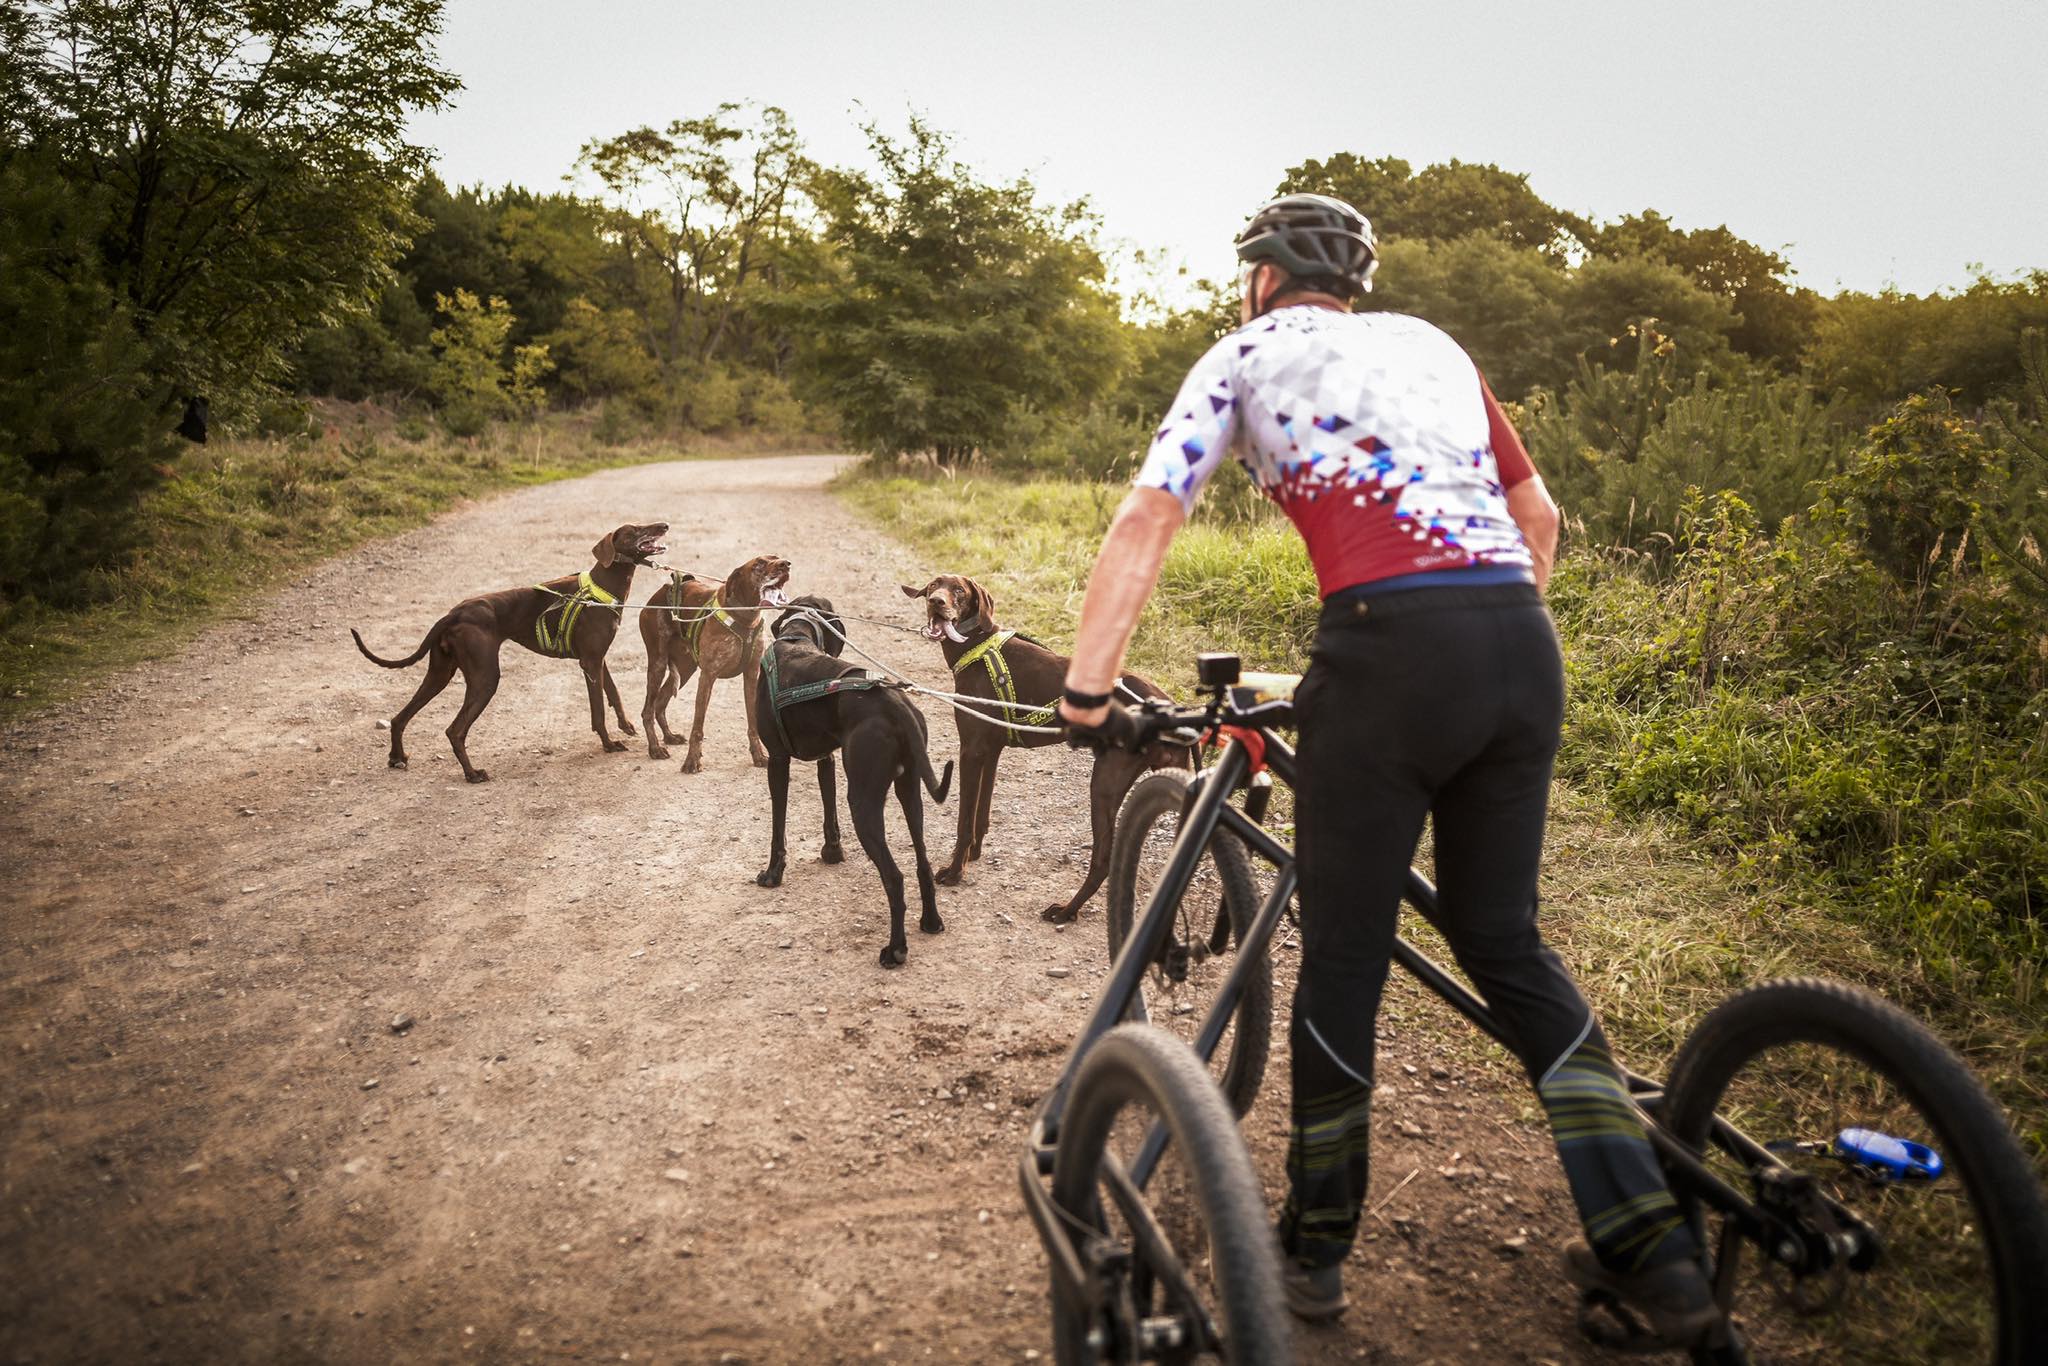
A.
x: 573, y: 617
x: 712, y: 629
x: 1023, y: 680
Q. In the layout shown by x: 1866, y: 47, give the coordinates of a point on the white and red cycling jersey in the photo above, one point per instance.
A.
x: 1373, y: 431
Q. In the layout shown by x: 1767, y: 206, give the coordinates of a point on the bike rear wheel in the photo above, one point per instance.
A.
x: 1911, y: 1226
x: 1186, y: 1269
x: 1212, y: 916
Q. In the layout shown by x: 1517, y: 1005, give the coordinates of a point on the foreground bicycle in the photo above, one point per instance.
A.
x: 1860, y: 1194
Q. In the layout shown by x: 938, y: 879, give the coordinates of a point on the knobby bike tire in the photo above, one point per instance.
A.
x: 1997, y: 1175
x: 1157, y: 797
x: 1146, y: 1064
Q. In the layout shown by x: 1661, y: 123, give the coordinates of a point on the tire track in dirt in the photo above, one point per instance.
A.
x: 625, y: 1123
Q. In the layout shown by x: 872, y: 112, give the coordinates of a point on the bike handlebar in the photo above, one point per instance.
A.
x: 1157, y: 718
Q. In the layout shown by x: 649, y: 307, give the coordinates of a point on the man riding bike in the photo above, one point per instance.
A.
x: 1435, y: 688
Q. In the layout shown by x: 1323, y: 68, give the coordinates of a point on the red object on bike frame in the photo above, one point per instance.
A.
x: 1254, y: 745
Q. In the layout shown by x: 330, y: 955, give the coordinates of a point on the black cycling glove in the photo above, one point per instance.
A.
x: 1118, y: 728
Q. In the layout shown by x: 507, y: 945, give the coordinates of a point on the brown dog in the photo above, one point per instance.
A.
x: 960, y: 615
x: 571, y: 617
x: 691, y: 625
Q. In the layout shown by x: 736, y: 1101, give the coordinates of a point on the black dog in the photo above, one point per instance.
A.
x: 811, y: 703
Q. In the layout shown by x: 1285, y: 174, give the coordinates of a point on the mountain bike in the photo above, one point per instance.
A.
x: 1860, y: 1195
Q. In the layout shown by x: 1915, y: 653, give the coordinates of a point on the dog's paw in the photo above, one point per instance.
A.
x: 832, y: 853
x: 760, y: 758
x: 670, y: 738
x: 398, y: 761
x: 479, y: 776
x: 1058, y: 915
x: 615, y: 747
x: 693, y: 763
x: 929, y: 923
x: 771, y: 876
x: 947, y: 877
x: 656, y: 752
x: 894, y: 954
x: 626, y: 727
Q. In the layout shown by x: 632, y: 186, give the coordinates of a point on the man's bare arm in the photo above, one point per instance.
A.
x: 1126, y: 571
x: 1529, y: 503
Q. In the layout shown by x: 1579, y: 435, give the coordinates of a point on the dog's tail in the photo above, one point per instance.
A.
x: 440, y: 628
x: 910, y: 730
x: 937, y: 789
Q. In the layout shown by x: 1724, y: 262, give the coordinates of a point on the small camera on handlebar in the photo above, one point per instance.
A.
x: 1217, y: 670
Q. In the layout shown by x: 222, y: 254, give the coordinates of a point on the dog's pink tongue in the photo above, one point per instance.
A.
x: 953, y: 634
x: 774, y: 597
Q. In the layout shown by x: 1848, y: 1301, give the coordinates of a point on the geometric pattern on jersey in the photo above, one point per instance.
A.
x: 1368, y: 429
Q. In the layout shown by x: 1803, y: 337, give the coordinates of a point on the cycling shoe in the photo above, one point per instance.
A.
x: 1674, y: 1301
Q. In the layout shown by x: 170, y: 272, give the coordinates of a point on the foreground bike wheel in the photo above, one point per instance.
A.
x: 1860, y: 1105
x: 1187, y: 1269
x: 1211, y: 918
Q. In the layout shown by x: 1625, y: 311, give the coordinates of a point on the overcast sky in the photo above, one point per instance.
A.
x: 1874, y: 143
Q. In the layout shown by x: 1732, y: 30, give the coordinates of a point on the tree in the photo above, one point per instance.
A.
x: 953, y: 305
x: 1885, y: 346
x: 1605, y: 296
x: 470, y: 376
x: 78, y: 401
x: 1444, y: 202
x: 598, y: 354
x: 1776, y: 320
x: 710, y: 203
x: 253, y: 157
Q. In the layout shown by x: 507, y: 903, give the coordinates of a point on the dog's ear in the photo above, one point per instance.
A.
x: 984, y: 605
x: 604, y: 552
x: 835, y: 639
x: 910, y: 592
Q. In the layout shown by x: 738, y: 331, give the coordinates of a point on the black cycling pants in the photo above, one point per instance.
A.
x: 1444, y: 703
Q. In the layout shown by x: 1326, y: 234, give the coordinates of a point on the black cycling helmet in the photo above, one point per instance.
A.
x: 1314, y: 238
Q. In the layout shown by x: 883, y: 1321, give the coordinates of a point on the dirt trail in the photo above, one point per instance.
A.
x: 646, y: 1110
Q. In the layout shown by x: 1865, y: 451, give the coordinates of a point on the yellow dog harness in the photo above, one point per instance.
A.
x: 989, y: 654
x: 714, y: 610
x: 566, y: 609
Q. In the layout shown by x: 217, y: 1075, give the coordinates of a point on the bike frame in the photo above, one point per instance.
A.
x: 1208, y: 809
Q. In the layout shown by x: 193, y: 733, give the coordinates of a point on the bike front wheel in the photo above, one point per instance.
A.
x: 1186, y: 1268
x: 1906, y: 1223
x: 1211, y: 917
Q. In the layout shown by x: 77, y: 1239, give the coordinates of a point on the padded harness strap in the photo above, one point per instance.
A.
x: 857, y: 681
x: 567, y: 609
x: 988, y: 652
x: 693, y: 629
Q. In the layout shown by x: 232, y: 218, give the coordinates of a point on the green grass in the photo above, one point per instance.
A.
x: 1659, y: 925
x: 240, y: 516
x: 1245, y: 586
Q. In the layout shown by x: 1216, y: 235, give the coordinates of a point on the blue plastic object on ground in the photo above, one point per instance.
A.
x: 1894, y: 1159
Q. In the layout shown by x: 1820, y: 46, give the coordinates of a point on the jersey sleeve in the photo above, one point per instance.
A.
x: 1195, y: 438
x: 1510, y: 456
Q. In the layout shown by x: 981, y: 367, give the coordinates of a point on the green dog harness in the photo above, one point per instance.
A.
x: 989, y: 654
x: 566, y: 609
x: 714, y: 610
x: 859, y: 680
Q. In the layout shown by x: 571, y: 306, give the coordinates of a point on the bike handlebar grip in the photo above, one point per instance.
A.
x: 1120, y: 728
